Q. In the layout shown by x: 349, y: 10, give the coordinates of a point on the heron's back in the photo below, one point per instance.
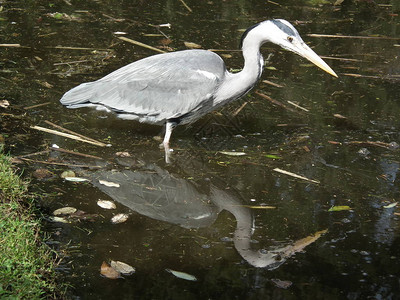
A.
x: 155, y: 89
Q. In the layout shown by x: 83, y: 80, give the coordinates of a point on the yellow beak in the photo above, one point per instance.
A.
x: 308, y: 53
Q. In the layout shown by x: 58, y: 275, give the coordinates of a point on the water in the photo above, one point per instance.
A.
x: 184, y: 216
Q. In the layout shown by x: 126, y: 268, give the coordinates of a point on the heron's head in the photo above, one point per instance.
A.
x: 282, y: 33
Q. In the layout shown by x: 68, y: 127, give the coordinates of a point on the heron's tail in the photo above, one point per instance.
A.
x: 78, y: 96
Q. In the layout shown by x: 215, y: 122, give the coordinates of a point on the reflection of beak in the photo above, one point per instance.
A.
x: 308, y: 53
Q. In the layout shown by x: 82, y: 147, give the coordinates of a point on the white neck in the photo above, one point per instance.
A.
x: 238, y: 84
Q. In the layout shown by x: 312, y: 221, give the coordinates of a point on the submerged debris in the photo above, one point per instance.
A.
x: 182, y: 275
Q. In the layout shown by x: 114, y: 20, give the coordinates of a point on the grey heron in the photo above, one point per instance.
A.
x: 180, y: 87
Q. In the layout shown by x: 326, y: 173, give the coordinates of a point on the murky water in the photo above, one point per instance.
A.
x: 195, y: 215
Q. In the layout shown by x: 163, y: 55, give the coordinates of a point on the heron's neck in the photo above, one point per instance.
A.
x: 253, y: 61
x: 238, y: 84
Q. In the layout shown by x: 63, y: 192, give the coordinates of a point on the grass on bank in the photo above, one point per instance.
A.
x: 26, y: 264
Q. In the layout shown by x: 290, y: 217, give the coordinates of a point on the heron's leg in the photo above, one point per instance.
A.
x: 169, y: 126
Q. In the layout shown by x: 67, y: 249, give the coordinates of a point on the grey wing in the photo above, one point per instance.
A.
x: 156, y: 88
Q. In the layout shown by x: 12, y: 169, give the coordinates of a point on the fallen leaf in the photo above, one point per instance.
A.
x: 390, y: 205
x: 192, y: 45
x: 4, y: 103
x: 226, y: 56
x: 75, y: 179
x: 68, y: 173
x: 339, y: 116
x: 58, y: 219
x: 106, y: 204
x: 107, y: 271
x: 120, y: 218
x: 283, y: 284
x: 64, y: 211
x: 42, y: 173
x: 109, y: 183
x: 182, y: 275
x: 122, y: 268
x: 232, y: 153
x: 123, y: 154
x: 339, y: 208
x: 299, y: 245
x: 272, y: 156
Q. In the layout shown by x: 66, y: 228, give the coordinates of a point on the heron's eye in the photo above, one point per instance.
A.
x: 290, y: 39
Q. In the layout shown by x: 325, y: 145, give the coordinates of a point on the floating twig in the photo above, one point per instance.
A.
x: 295, y: 175
x: 33, y: 154
x: 386, y: 77
x: 70, y: 136
x: 10, y: 45
x: 352, y: 36
x: 274, y: 3
x: 75, y: 153
x: 257, y: 206
x: 70, y: 62
x: 37, y: 105
x: 113, y: 19
x: 76, y: 48
x: 341, y: 58
x: 239, y: 109
x: 272, y: 83
x: 370, y: 143
x: 71, y: 132
x: 276, y: 102
x: 224, y: 50
x: 298, y: 106
x: 186, y: 6
x: 140, y: 44
x: 59, y: 164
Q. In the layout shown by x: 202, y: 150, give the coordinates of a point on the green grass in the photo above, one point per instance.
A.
x: 26, y: 264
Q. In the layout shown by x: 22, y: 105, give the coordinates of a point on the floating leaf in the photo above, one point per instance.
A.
x: 122, y: 268
x: 123, y: 154
x: 107, y: 271
x: 273, y: 156
x: 106, y: 204
x: 64, y: 211
x: 192, y: 45
x: 339, y: 116
x: 68, y: 173
x: 120, y: 218
x: 58, y: 219
x: 232, y: 153
x: 182, y: 275
x: 42, y: 173
x: 339, y: 208
x: 75, y: 179
x: 390, y: 205
x: 259, y: 206
x: 109, y: 183
x: 4, y: 103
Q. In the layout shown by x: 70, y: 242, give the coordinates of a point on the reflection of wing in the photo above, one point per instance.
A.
x: 160, y: 196
x: 156, y: 88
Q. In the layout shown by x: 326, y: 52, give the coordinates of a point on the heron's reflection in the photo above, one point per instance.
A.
x: 156, y: 193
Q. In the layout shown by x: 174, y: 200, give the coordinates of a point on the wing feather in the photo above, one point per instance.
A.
x: 156, y: 88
